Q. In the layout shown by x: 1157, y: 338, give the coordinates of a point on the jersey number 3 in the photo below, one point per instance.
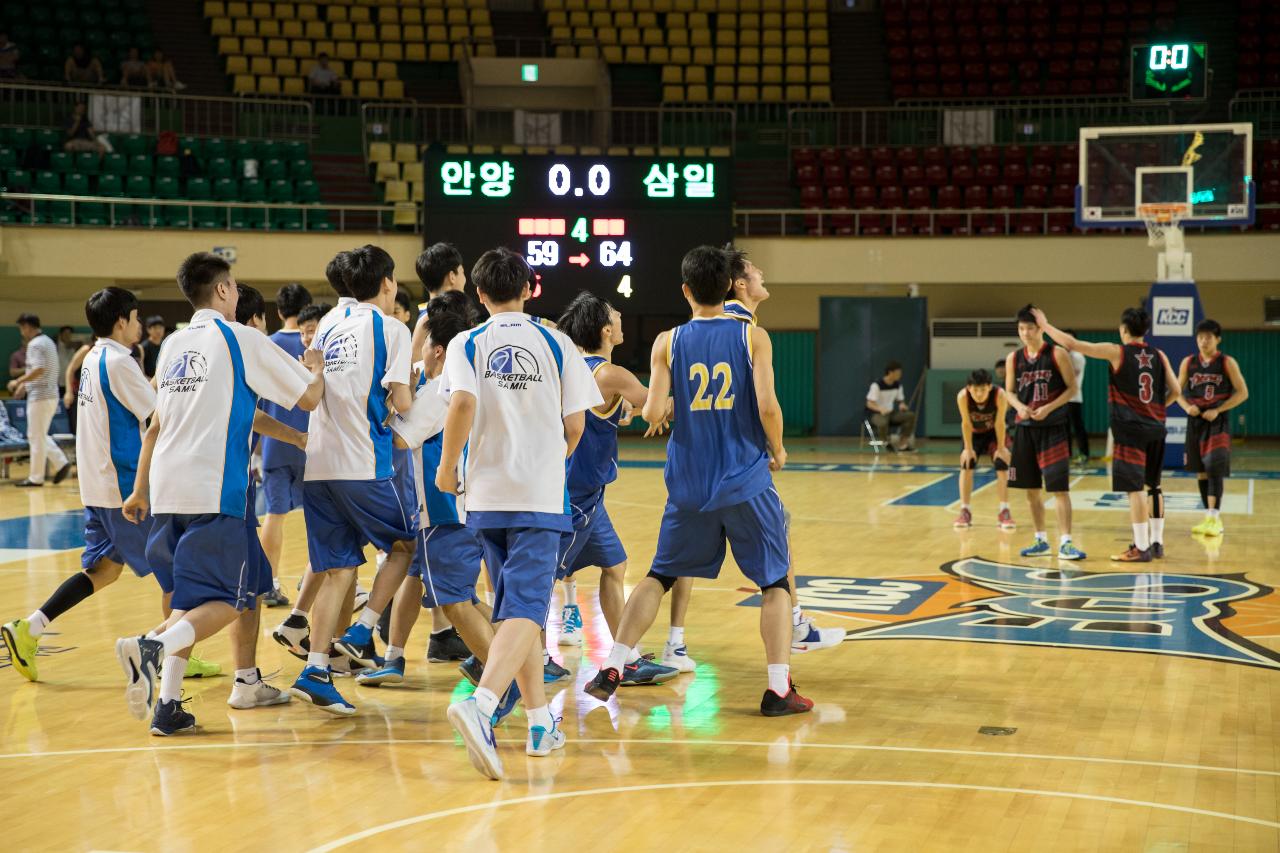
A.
x: 721, y: 372
x: 1146, y: 387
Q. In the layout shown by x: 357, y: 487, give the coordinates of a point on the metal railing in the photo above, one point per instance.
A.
x: 1260, y: 106
x: 142, y: 213
x: 1013, y: 120
x: 796, y: 222
x: 147, y: 111
x: 453, y: 124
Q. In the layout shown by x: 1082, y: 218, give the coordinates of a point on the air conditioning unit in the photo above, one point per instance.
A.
x: 967, y: 344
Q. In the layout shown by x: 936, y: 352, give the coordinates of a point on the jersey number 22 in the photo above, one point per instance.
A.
x: 721, y: 372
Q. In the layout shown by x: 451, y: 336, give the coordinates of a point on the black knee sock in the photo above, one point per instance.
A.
x: 1215, y: 490
x: 74, y: 590
x: 1204, y: 491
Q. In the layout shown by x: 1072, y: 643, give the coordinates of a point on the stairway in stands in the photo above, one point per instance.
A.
x: 520, y: 33
x: 182, y: 34
x: 344, y: 179
x: 859, y: 62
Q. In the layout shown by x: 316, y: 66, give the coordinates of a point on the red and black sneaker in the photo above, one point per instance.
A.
x: 606, y: 681
x: 773, y: 705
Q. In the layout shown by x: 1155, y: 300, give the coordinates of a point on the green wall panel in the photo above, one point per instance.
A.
x: 793, y: 368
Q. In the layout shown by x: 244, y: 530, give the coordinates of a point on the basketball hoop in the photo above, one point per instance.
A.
x: 1161, y: 219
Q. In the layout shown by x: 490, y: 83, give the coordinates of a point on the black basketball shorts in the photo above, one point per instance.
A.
x: 1040, y: 458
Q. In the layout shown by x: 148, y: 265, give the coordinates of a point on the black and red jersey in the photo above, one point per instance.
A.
x: 1208, y: 383
x: 1138, y: 388
x: 1038, y: 382
x: 982, y: 417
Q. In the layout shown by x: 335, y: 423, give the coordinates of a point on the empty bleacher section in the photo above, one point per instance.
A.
x: 718, y: 51
x: 1258, y: 43
x: 270, y: 48
x: 45, y: 33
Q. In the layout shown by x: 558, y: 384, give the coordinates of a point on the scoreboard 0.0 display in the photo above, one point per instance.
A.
x: 1177, y: 71
x: 617, y: 226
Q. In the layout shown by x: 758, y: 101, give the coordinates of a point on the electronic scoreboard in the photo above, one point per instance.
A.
x: 1176, y: 71
x: 617, y: 226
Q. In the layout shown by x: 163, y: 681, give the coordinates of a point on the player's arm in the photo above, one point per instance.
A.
x: 73, y: 367
x: 265, y: 425
x: 457, y: 429
x: 1184, y: 370
x: 1172, y: 390
x: 137, y: 505
x: 1063, y: 361
x: 767, y: 397
x: 1104, y: 351
x: 419, y: 338
x: 873, y: 402
x: 1010, y: 383
x: 966, y: 427
x: 1002, y: 409
x: 655, y: 409
x: 1239, y: 394
x: 313, y: 361
x: 616, y: 381
x: 574, y: 425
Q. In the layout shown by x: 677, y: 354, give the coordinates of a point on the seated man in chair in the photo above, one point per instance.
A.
x: 887, y: 409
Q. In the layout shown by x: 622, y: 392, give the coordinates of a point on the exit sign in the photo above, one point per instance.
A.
x: 529, y: 73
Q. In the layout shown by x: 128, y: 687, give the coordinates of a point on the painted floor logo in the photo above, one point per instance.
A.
x: 979, y: 601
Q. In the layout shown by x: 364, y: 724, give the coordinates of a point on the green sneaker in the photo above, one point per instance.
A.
x: 197, y: 668
x: 22, y: 647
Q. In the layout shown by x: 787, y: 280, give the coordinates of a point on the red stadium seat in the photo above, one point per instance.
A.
x: 934, y: 154
x: 882, y: 156
x: 936, y: 175
x: 1029, y: 223
x: 988, y: 174
x: 1063, y: 195
x: 908, y: 156
x: 837, y: 196
x: 864, y: 197
x: 962, y: 173
x: 918, y: 198
x: 886, y: 175
x: 891, y: 196
x: 1002, y: 196
x: 949, y: 197
x: 833, y: 174
x: 976, y: 196
x: 811, y: 195
x: 1035, y: 195
x: 859, y: 175
x: 912, y: 176
x: 1014, y: 173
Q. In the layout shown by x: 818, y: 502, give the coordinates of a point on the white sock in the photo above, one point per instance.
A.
x: 546, y: 656
x: 780, y: 678
x: 1003, y: 506
x: 634, y: 655
x: 964, y: 507
x: 178, y: 637
x: 1157, y: 530
x: 1042, y: 536
x: 675, y: 637
x: 394, y: 652
x: 171, y: 672
x: 486, y: 701
x: 570, y: 595
x: 36, y: 623
x: 248, y: 676
x: 540, y: 717
x: 380, y: 559
x: 1064, y: 539
x: 1142, y: 536
x: 275, y: 583
x: 318, y: 659
x: 369, y: 618
x: 1214, y: 512
x: 617, y: 657
x: 296, y: 612
x: 797, y: 615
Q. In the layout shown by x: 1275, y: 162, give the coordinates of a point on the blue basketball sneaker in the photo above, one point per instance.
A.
x: 171, y: 717
x: 314, y: 685
x: 553, y: 672
x: 542, y: 742
x: 357, y: 644
x: 1039, y: 548
x: 507, y: 704
x: 1069, y: 551
x: 472, y: 669
x: 392, y: 673
x: 478, y: 737
x: 645, y: 671
x: 140, y: 659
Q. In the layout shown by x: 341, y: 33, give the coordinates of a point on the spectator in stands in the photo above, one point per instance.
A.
x: 162, y: 74
x: 41, y: 384
x: 322, y: 79
x: 83, y: 67
x: 151, y: 346
x: 133, y: 71
x: 80, y: 132
x: 9, y: 56
x: 888, y: 407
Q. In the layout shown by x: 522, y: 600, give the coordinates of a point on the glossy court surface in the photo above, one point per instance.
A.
x: 1131, y: 709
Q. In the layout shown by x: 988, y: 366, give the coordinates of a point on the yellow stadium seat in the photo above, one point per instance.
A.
x: 612, y: 54
x: 797, y: 92
x: 607, y: 35
x: 726, y: 38
x: 770, y: 37
x: 380, y: 152
x: 726, y: 74
x: 260, y: 10
x: 294, y: 86
x: 433, y: 16
x: 405, y: 214
x: 797, y: 56
x: 392, y: 51
x: 694, y: 74
x: 772, y: 56
x: 385, y: 71
x: 348, y: 88
x: 770, y: 94
x: 579, y: 19
x: 292, y: 30
x: 388, y: 15
x: 414, y: 32
x: 749, y: 21
x: 557, y: 19
x: 675, y: 38
x: 820, y: 55
x: 395, y: 190
x: 237, y: 65
x: 439, y: 52
x: 772, y: 5
x: 410, y: 16
x: 346, y: 50
x: 645, y: 20
x: 269, y: 29
x: 686, y: 5
x: 406, y: 152
x: 362, y: 70
x: 722, y: 93
x: 819, y: 74
x: 582, y: 35
x: 459, y: 33
x: 703, y: 56
x: 214, y: 9
x: 659, y: 55
x: 300, y: 49
x: 244, y: 84
x: 624, y: 19
x: 725, y: 56
x: 749, y: 56
x: 749, y: 37
x: 561, y: 35
x: 253, y: 47
x: 413, y: 171
x: 643, y: 151
x: 771, y: 74
x: 748, y: 93
x: 366, y: 32
x: 672, y: 94
x: 793, y: 20
x: 480, y: 17
x: 483, y: 32
x: 727, y: 20
x: 334, y: 13
x: 277, y: 47
x: 795, y: 74
x: 237, y: 10
x: 634, y: 55
x: 700, y: 38
x: 261, y: 65
x: 680, y: 56
x: 698, y: 21
x: 566, y: 51
x: 693, y: 151
x: 618, y: 151
x: 415, y: 52
x: 697, y: 94
x: 286, y: 67
x: 220, y: 27
x: 389, y: 32
x: 771, y: 21
x: 386, y: 170
x: 817, y: 20
x: 308, y: 12
x: 818, y: 37
x: 749, y: 74
x: 268, y: 85
x: 359, y: 15
x: 245, y: 27
x: 316, y: 30
x: 820, y: 93
x: 672, y: 74
x: 676, y: 21
x: 341, y: 31
x: 668, y: 150
x: 719, y: 151
x: 417, y: 191
x: 367, y: 90
x: 455, y: 16
x: 794, y: 37
x: 588, y: 51
x: 557, y: 5
x: 228, y: 44
x: 437, y: 33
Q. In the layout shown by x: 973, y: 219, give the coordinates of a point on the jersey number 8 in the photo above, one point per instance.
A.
x: 722, y: 372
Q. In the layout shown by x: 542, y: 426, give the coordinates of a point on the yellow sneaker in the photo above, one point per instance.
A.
x: 22, y: 647
x: 197, y: 668
x: 1203, y: 528
x: 1215, y: 526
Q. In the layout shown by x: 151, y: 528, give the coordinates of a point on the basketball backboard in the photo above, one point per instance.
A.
x: 1206, y: 166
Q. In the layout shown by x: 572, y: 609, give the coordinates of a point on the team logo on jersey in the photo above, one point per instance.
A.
x: 340, y: 353
x: 1210, y: 617
x: 85, y: 392
x: 1145, y: 359
x: 513, y: 367
x: 184, y: 372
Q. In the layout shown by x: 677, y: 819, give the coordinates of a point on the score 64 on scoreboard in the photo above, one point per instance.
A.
x: 617, y: 226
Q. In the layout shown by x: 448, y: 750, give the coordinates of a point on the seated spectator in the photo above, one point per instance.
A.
x: 322, y: 79
x: 133, y: 71
x: 82, y: 67
x: 162, y: 75
x: 887, y: 407
x: 9, y: 57
x: 80, y: 133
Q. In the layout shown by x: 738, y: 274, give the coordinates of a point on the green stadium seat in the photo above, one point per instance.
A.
x: 92, y: 213
x: 114, y: 164
x: 20, y: 137
x: 300, y: 169
x: 248, y: 217
x: 87, y: 163
x: 295, y: 150
x: 286, y: 220
x: 318, y: 220
x: 150, y: 215
x: 132, y: 144
x: 56, y: 212
x: 252, y: 189
x: 140, y: 164
x: 60, y: 161
x: 167, y: 166
x: 51, y: 139
x: 281, y: 191
x: 18, y: 180
x: 110, y: 185
x: 209, y: 217
x: 139, y: 186
x: 244, y: 149
x: 198, y: 189
x: 92, y: 18
x: 226, y: 189
x: 219, y: 167
x: 177, y: 217
x: 273, y: 170
x: 215, y: 146
x: 271, y: 149
x: 307, y: 192
x: 48, y: 182
x: 166, y: 187
x: 192, y: 144
x: 8, y: 159
x: 76, y: 184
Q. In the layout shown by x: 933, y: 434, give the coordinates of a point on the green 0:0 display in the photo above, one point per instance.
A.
x: 1161, y: 57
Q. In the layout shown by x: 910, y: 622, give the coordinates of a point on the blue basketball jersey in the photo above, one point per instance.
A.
x: 717, y: 455
x: 594, y: 463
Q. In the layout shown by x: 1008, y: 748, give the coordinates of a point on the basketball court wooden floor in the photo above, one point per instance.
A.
x: 982, y: 705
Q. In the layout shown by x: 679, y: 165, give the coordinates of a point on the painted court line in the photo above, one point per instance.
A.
x: 750, y: 783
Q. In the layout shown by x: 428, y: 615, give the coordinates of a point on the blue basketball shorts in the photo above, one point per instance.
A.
x: 207, y: 557
x: 692, y: 543
x: 343, y: 515
x: 283, y: 488
x: 593, y: 541
x: 522, y: 566
x: 109, y: 535
x: 448, y: 563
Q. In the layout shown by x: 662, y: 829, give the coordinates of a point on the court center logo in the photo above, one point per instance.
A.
x: 184, y: 373
x: 341, y: 353
x: 1211, y: 617
x: 513, y: 367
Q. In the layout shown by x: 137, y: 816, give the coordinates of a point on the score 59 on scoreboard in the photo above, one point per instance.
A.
x: 617, y: 226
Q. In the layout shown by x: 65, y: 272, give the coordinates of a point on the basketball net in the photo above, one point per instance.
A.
x: 1164, y: 231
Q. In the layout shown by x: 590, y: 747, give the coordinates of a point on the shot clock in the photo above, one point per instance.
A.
x: 617, y: 226
x: 1175, y: 71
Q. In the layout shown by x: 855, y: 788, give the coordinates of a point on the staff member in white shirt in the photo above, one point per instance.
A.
x: 41, y: 384
x: 1075, y: 408
x: 888, y: 407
